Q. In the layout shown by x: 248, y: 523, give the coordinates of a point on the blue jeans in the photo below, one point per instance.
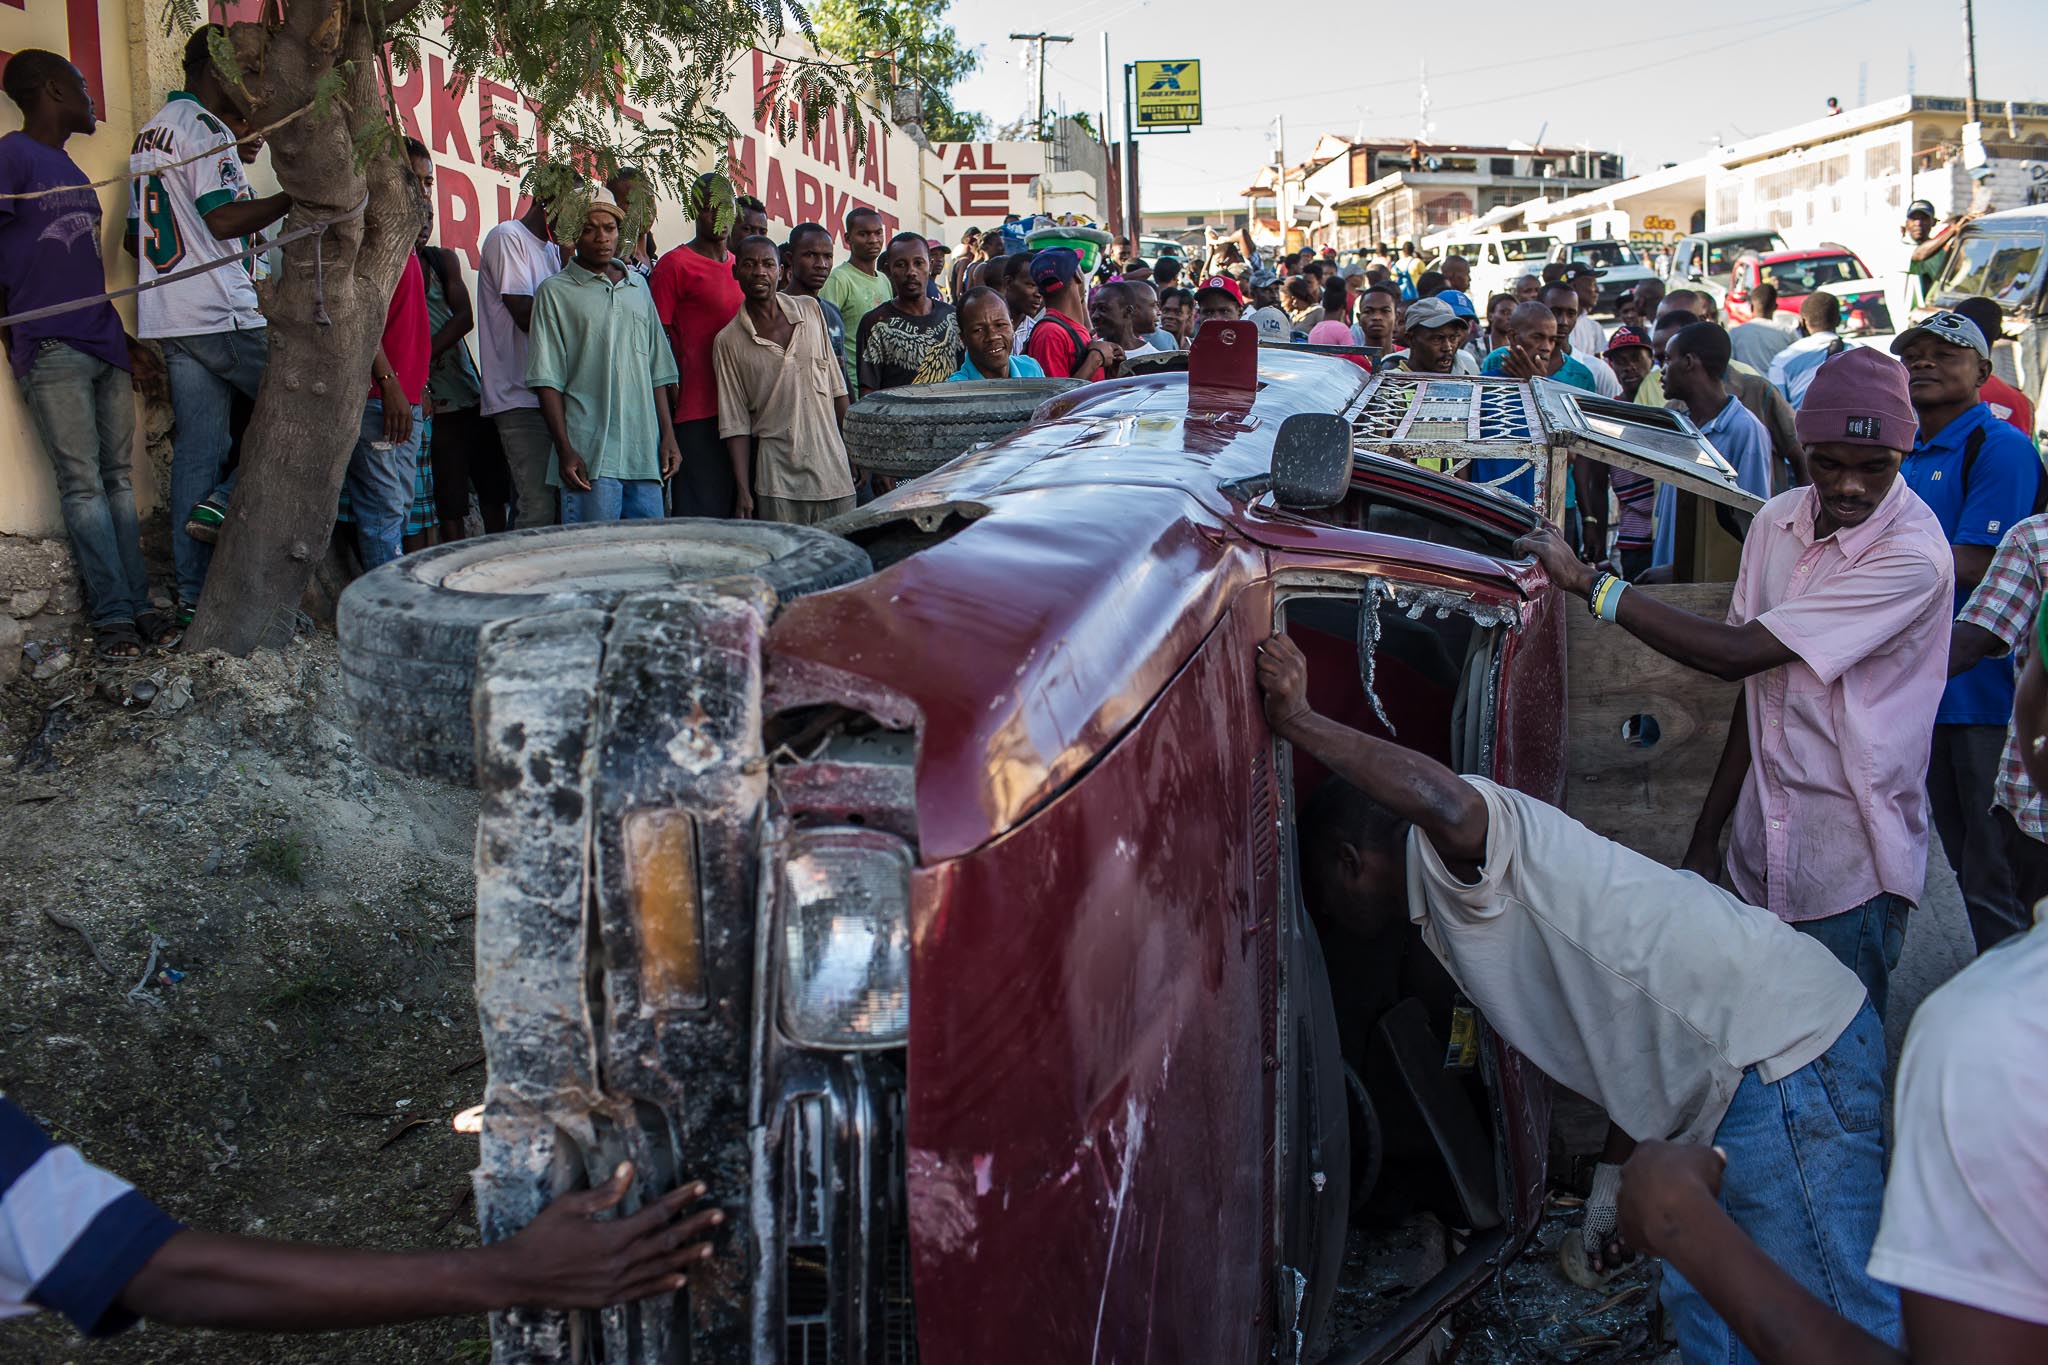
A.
x: 380, y: 485
x: 1805, y: 1180
x: 613, y: 500
x: 1867, y: 940
x: 205, y: 372
x: 84, y: 411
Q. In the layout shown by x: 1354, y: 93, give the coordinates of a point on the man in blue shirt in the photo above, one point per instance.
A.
x: 1533, y: 351
x: 1981, y: 477
x: 987, y: 333
x: 1695, y: 373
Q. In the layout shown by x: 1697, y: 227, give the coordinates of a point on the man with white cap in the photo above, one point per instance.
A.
x: 615, y: 444
x: 1982, y: 478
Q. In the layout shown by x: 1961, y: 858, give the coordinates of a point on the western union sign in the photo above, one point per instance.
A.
x: 1169, y: 94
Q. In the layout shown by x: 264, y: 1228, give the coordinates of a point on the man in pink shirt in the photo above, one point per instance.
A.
x: 1839, y: 632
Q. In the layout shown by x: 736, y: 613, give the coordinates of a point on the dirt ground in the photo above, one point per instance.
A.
x: 292, y: 1062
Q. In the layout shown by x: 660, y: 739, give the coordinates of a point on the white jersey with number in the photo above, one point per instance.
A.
x: 169, y: 204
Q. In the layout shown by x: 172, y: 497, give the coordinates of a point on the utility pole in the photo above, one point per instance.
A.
x: 1041, y: 39
x: 1970, y: 60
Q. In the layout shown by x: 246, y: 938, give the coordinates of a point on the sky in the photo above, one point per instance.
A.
x: 1497, y: 72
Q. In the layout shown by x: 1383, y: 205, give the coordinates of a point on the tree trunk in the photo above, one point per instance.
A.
x: 309, y: 409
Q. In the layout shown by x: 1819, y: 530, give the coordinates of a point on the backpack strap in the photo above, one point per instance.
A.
x: 1052, y: 315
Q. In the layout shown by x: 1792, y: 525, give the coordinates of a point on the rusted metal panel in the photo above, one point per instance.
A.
x: 1089, y: 1105
x: 536, y: 689
x: 678, y: 735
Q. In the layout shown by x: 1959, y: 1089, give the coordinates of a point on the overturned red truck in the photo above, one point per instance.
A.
x: 927, y: 885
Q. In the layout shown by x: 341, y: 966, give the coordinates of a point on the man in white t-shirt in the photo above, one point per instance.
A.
x: 1678, y: 1009
x: 1965, y: 1230
x: 518, y: 256
x: 188, y: 208
x: 1265, y: 312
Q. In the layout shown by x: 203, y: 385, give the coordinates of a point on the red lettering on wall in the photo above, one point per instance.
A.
x: 888, y: 185
x: 444, y: 109
x: 492, y: 122
x: 988, y: 158
x: 810, y: 199
x: 457, y: 214
x: 831, y: 127
x: 982, y: 193
x: 767, y: 83
x: 744, y: 163
x: 964, y: 159
x: 406, y: 94
x: 836, y: 206
x: 871, y: 163
x: 776, y: 196
x: 508, y: 207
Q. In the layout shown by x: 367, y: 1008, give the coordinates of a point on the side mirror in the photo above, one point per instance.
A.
x: 1312, y: 461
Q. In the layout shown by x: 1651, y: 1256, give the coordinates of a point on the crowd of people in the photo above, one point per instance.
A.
x: 1894, y: 577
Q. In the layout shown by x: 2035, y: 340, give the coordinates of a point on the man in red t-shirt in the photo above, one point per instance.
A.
x: 2007, y: 402
x: 385, y: 462
x: 695, y: 295
x: 1060, y: 340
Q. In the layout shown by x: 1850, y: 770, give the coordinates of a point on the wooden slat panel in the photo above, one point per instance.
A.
x: 1647, y: 798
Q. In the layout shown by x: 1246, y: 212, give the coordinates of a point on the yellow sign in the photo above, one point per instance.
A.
x: 1169, y: 94
x: 1357, y: 213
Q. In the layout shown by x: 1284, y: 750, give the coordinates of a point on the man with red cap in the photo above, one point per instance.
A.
x: 1060, y: 340
x: 1838, y: 630
x: 1629, y: 355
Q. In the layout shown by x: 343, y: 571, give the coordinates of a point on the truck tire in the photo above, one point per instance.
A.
x: 911, y: 431
x: 409, y: 628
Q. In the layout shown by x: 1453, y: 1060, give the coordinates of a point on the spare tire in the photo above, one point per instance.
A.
x: 913, y: 430
x: 409, y: 628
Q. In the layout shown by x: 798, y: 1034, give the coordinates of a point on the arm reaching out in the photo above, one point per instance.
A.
x: 1414, y: 787
x: 568, y: 1257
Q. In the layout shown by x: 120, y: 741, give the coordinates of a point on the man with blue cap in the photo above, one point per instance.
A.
x: 1981, y: 477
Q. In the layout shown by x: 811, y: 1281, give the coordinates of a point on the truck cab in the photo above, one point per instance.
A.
x: 929, y: 884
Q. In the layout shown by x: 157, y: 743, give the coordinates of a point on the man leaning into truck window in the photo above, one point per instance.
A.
x: 1673, y: 1005
x: 1838, y: 631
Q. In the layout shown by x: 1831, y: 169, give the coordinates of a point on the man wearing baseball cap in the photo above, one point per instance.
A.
x: 1436, y: 337
x: 1630, y: 357
x: 1927, y: 250
x: 594, y: 324
x: 1838, y: 631
x: 1060, y: 340
x: 1266, y: 313
x: 1982, y: 478
x: 1218, y: 299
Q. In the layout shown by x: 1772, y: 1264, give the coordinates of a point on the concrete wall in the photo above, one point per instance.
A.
x: 112, y: 45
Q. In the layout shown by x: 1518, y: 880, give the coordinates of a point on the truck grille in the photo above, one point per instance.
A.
x: 842, y: 1211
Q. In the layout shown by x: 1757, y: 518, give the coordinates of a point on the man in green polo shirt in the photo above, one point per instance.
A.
x: 601, y: 366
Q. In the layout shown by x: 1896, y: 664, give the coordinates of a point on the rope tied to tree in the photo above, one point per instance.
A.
x: 215, y: 150
x: 313, y: 229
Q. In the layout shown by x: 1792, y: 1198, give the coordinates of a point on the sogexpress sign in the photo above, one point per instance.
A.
x: 1169, y: 94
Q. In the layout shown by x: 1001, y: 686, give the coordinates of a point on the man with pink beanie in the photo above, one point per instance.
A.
x: 1838, y: 630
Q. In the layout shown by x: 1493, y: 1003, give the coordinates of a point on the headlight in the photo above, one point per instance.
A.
x: 845, y: 899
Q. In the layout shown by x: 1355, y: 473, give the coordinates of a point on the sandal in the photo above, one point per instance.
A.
x: 119, y: 641
x: 158, y: 632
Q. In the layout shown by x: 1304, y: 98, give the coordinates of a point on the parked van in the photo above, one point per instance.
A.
x: 1497, y: 259
x: 2002, y: 256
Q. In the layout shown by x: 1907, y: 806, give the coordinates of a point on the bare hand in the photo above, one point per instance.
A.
x: 1283, y: 678
x: 1547, y: 545
x: 1521, y: 364
x: 743, y: 504
x: 671, y: 457
x: 575, y: 474
x: 568, y: 1257
x: 1664, y: 1189
x: 1703, y: 857
x: 397, y: 413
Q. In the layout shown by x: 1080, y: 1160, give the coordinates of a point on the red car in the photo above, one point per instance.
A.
x: 1796, y: 274
x: 929, y: 889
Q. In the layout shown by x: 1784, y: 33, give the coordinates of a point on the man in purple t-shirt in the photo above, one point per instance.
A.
x: 72, y: 366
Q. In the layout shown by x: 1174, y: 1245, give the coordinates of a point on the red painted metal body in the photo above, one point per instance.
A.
x: 1091, y: 1111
